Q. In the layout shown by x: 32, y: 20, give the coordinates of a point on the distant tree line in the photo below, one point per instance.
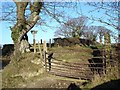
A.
x: 76, y: 27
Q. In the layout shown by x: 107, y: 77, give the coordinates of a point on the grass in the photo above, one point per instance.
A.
x: 68, y: 79
x: 112, y: 74
x: 72, y: 54
x: 23, y: 72
x: 20, y: 71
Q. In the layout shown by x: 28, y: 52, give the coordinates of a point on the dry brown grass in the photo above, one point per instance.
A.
x: 113, y: 74
x: 72, y: 54
x: 19, y: 71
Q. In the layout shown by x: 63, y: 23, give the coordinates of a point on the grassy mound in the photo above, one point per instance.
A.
x: 17, y: 72
x: 26, y: 70
x: 72, y: 54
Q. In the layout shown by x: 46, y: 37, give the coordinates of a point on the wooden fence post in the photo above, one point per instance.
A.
x: 45, y: 52
x: 34, y: 46
x: 49, y: 60
x: 34, y: 42
x: 44, y: 46
x: 107, y: 48
x: 104, y: 61
x: 40, y: 50
x: 50, y: 43
x: 41, y: 41
x: 45, y: 61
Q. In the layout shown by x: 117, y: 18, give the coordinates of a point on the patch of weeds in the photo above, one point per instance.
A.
x: 12, y: 82
x: 21, y: 67
x: 99, y: 80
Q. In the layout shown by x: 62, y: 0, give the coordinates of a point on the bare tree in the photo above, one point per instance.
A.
x: 102, y: 31
x: 111, y: 10
x: 25, y: 15
x: 92, y: 32
x: 72, y: 28
x: 22, y: 25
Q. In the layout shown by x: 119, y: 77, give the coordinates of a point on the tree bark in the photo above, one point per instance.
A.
x: 23, y: 26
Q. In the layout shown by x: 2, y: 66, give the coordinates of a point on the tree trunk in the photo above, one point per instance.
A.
x: 21, y: 44
x: 23, y: 26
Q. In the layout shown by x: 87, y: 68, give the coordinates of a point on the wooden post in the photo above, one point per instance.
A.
x: 34, y: 46
x: 40, y: 50
x: 100, y: 37
x: 45, y: 61
x: 45, y: 52
x: 34, y: 42
x: 41, y: 41
x: 49, y: 60
x: 50, y: 43
x: 107, y: 47
x: 104, y: 61
x: 44, y: 46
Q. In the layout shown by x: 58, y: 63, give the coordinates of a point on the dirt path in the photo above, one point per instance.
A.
x: 51, y: 81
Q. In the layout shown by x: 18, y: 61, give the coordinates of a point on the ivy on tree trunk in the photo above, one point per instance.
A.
x: 23, y: 26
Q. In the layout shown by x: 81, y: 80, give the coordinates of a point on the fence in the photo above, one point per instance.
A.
x: 72, y: 69
x: 68, y: 69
